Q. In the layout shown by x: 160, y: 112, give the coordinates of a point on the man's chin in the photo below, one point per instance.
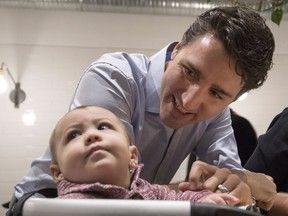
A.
x: 171, y: 123
x: 177, y: 123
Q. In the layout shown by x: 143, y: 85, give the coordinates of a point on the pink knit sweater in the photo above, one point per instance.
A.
x: 139, y: 189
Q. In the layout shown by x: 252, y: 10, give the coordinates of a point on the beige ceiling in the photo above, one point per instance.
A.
x: 156, y: 7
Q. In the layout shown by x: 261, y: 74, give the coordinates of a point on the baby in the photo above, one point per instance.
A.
x: 93, y: 157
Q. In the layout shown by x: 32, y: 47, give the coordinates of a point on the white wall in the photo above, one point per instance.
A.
x: 49, y: 50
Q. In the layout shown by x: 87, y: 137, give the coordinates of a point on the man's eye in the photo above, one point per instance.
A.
x: 191, y: 74
x: 72, y: 135
x: 215, y: 94
x: 104, y: 126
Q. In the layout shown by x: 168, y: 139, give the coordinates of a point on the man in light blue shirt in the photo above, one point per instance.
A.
x: 175, y: 102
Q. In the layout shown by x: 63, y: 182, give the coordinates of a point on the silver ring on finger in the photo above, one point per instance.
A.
x: 223, y: 189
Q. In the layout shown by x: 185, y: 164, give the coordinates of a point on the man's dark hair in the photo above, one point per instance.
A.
x: 245, y: 36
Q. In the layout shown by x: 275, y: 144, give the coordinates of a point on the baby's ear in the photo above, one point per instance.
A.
x: 133, y: 156
x: 56, y: 173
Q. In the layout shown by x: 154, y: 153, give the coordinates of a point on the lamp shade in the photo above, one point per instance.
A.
x: 17, y: 95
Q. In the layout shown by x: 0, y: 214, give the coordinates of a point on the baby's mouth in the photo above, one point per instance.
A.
x: 94, y: 149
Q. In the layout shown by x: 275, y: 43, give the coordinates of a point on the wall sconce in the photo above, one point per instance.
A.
x: 17, y: 95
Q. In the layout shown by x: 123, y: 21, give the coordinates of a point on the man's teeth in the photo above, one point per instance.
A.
x: 181, y: 109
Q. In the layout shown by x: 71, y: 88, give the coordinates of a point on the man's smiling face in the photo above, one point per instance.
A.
x: 199, y: 82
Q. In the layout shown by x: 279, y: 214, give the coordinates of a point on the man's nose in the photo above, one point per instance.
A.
x: 192, y: 98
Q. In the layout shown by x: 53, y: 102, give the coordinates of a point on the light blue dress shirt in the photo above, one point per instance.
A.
x: 129, y: 85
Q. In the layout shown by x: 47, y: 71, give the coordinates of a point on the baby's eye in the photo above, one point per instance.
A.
x: 104, y: 126
x: 72, y: 135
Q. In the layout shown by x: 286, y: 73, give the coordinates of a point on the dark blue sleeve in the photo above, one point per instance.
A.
x: 271, y: 155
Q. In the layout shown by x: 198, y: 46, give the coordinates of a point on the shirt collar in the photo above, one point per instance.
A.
x: 154, y: 78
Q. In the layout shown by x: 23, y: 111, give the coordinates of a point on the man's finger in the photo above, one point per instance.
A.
x: 200, y: 171
x: 184, y: 186
x: 220, y: 176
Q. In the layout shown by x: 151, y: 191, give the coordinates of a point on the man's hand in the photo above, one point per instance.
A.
x: 242, y: 184
x: 262, y: 187
x: 205, y: 176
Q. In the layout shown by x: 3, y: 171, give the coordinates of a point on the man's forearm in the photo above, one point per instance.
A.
x: 280, y: 206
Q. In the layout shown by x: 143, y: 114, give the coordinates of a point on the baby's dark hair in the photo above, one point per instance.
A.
x: 245, y: 36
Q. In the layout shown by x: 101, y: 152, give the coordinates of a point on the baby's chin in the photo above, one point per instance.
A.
x: 105, y: 175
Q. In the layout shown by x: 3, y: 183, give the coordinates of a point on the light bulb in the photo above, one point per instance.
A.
x: 3, y: 84
x: 29, y: 118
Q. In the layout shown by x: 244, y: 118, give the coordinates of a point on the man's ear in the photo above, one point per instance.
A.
x: 175, y: 51
x: 56, y: 173
x: 133, y: 156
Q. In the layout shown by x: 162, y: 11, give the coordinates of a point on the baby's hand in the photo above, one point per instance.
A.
x: 220, y: 199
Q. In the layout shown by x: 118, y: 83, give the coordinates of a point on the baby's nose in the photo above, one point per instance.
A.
x: 93, y: 137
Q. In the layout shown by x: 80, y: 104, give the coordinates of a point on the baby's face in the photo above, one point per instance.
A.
x: 92, y: 146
